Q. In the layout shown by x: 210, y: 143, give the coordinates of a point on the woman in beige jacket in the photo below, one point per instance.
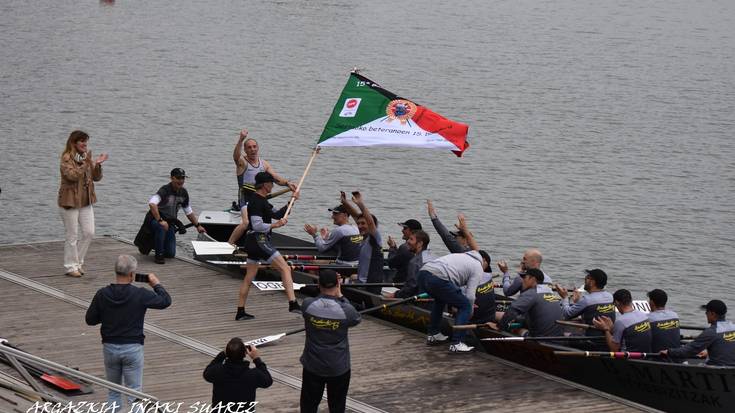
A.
x: 76, y: 196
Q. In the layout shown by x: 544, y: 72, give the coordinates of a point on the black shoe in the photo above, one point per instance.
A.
x: 158, y: 259
x: 294, y: 307
x: 242, y: 315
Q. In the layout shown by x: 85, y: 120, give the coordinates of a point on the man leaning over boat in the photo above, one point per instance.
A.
x: 718, y: 339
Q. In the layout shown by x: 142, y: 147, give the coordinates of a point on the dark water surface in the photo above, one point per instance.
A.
x: 601, y: 132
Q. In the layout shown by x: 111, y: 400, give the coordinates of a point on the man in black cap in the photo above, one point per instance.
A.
x: 326, y: 356
x: 164, y: 207
x: 718, y: 339
x: 258, y: 246
x: 345, y: 238
x: 664, y: 322
x: 399, y: 257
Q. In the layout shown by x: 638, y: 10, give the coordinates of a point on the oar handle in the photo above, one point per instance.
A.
x: 578, y: 325
x: 688, y: 327
x: 607, y: 354
x: 278, y: 193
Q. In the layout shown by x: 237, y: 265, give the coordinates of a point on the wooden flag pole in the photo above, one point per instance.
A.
x: 301, y: 181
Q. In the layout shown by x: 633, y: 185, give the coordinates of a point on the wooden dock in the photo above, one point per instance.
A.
x: 392, y: 368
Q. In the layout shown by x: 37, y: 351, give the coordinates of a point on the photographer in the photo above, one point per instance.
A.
x: 233, y: 381
x: 120, y: 308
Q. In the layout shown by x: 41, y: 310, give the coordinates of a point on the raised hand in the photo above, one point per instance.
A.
x: 100, y: 159
x: 310, y: 229
x: 430, y: 209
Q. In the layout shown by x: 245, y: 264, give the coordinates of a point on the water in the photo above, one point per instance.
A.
x: 601, y: 132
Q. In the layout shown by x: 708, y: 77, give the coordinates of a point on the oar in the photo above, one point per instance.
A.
x: 607, y: 354
x: 275, y: 337
x: 548, y: 338
x: 688, y: 327
x: 278, y: 285
x: 487, y: 325
x: 578, y: 325
x: 308, y: 257
x: 299, y: 267
x: 278, y: 193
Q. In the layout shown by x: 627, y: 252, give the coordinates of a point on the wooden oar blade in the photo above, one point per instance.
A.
x: 212, y: 248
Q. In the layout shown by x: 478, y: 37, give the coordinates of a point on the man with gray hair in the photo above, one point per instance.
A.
x: 120, y: 307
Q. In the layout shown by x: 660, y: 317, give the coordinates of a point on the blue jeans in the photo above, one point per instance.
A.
x: 165, y: 241
x: 444, y: 292
x: 123, y: 365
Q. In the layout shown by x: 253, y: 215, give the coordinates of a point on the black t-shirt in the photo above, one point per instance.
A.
x: 171, y: 201
x: 260, y: 207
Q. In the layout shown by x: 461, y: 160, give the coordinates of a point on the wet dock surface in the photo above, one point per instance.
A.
x: 392, y: 368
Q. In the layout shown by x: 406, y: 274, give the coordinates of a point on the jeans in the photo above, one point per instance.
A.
x: 444, y: 292
x: 123, y: 365
x: 312, y: 389
x: 165, y: 241
x: 79, y: 229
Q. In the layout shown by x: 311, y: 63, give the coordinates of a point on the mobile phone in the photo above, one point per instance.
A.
x: 248, y: 348
x: 141, y: 277
x: 356, y: 193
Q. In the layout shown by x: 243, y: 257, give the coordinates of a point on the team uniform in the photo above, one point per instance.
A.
x: 246, y: 182
x: 257, y: 239
x: 326, y: 356
x: 346, y: 239
x: 371, y: 261
x: 664, y: 330
x: 719, y: 341
x: 410, y: 286
x: 632, y: 331
x: 540, y: 308
x: 594, y: 304
x: 484, y: 300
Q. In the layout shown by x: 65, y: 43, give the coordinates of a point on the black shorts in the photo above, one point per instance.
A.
x: 258, y: 246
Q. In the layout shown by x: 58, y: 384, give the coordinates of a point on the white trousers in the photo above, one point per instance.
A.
x: 79, y: 225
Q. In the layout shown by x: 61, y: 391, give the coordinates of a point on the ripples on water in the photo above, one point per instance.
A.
x: 601, y: 132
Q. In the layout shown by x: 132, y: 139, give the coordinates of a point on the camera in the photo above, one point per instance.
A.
x: 248, y: 348
x: 141, y: 277
x: 356, y: 193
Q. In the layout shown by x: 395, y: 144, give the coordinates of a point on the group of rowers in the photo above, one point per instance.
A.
x: 462, y: 279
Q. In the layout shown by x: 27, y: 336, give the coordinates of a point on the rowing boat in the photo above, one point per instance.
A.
x: 671, y: 387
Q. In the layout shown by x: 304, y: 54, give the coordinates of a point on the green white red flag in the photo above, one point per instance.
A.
x: 368, y: 115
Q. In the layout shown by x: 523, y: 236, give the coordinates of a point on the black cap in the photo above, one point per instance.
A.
x: 411, y: 224
x: 328, y: 278
x: 263, y: 177
x: 536, y: 273
x: 178, y: 173
x: 339, y: 208
x: 599, y: 276
x: 716, y: 306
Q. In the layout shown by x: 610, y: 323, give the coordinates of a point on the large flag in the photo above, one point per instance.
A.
x: 368, y: 115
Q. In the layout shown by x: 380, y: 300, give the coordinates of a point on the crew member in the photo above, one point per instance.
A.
x: 370, y: 262
x: 455, y: 241
x: 443, y: 279
x: 531, y: 259
x: 596, y: 303
x: 418, y: 243
x: 258, y: 246
x: 326, y: 356
x: 631, y: 330
x: 718, y: 339
x: 248, y: 164
x: 664, y: 323
x: 345, y: 238
x: 537, y: 304
x: 399, y: 256
x: 164, y: 207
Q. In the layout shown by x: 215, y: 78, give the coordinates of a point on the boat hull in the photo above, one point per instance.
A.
x: 669, y: 387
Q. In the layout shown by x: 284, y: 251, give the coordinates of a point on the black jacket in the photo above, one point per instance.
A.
x: 121, y: 309
x: 235, y: 381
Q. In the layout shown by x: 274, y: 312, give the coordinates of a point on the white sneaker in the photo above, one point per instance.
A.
x: 435, y: 339
x: 460, y: 348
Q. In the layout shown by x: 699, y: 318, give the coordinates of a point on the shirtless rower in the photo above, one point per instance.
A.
x: 248, y: 164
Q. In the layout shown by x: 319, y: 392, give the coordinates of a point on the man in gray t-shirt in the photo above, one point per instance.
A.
x: 344, y: 238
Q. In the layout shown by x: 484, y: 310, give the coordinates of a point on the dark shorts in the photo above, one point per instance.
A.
x: 258, y: 246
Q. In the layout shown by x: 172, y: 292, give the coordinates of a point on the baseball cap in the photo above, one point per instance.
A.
x: 716, y: 306
x: 263, y: 177
x: 328, y: 278
x: 338, y: 208
x: 411, y: 224
x: 178, y: 173
x: 599, y: 276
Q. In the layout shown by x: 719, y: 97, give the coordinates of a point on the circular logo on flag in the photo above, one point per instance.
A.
x: 351, y: 104
x: 400, y: 109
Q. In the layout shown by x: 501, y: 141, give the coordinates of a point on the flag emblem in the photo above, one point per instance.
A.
x: 350, y: 108
x: 400, y: 109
